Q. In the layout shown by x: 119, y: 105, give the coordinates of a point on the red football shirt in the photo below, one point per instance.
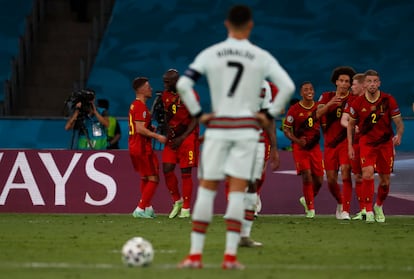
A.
x: 333, y: 132
x: 303, y: 122
x: 177, y: 115
x: 139, y: 144
x: 374, y: 118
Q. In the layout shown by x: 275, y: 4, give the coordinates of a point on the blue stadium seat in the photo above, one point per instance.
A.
x: 12, y: 25
x: 309, y: 37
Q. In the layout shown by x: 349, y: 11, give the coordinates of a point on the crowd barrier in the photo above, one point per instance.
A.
x: 104, y: 182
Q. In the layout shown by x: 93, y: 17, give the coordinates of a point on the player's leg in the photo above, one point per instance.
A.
x: 250, y: 200
x: 368, y: 159
x: 187, y: 180
x: 239, y: 167
x: 346, y: 191
x: 332, y: 166
x: 307, y: 188
x: 210, y: 172
x: 144, y: 165
x: 169, y: 157
x: 384, y: 164
x: 188, y: 158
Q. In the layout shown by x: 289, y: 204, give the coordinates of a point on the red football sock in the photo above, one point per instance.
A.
x: 382, y: 194
x: 148, y: 193
x: 368, y: 192
x: 141, y: 190
x: 346, y: 194
x: 307, y: 188
x: 172, y: 185
x: 358, y: 192
x: 187, y: 189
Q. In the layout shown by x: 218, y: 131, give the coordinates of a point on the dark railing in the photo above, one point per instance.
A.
x: 13, y: 86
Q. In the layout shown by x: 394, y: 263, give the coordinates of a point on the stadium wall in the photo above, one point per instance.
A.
x: 69, y: 181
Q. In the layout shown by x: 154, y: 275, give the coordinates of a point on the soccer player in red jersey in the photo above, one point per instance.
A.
x: 374, y: 113
x: 143, y: 158
x: 182, y: 145
x: 330, y: 108
x: 358, y: 89
x: 303, y: 128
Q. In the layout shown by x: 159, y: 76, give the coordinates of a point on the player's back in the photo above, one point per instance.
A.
x: 235, y: 70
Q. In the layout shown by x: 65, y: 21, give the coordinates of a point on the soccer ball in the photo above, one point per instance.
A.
x: 137, y: 251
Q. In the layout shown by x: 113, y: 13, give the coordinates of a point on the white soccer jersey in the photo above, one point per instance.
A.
x: 235, y: 70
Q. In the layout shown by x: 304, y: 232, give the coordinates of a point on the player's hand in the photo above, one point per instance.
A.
x: 176, y: 142
x: 336, y: 100
x: 396, y: 140
x: 161, y: 138
x: 351, y: 152
x: 206, y: 117
x: 302, y: 141
x: 274, y: 159
x: 264, y: 121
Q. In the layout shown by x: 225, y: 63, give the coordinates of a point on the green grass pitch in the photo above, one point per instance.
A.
x: 88, y: 246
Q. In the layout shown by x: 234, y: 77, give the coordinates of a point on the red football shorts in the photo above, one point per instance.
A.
x: 145, y: 164
x: 308, y: 160
x: 186, y: 155
x: 334, y: 157
x: 381, y: 157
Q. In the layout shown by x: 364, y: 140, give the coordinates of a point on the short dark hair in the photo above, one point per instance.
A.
x: 138, y: 82
x: 342, y: 70
x: 304, y: 83
x: 239, y: 15
x: 371, y: 73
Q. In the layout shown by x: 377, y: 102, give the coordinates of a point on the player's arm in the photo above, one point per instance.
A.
x: 287, y: 130
x: 344, y: 119
x: 399, y: 124
x: 274, y: 154
x: 185, y: 86
x: 285, y: 85
x: 324, y: 108
x: 350, y: 131
x: 142, y: 130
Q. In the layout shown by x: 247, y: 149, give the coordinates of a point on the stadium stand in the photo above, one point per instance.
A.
x: 309, y: 37
x: 12, y: 25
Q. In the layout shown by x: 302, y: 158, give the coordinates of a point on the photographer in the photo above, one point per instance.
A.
x: 87, y: 121
x: 114, y: 129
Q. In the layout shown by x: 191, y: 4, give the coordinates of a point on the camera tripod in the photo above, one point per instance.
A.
x: 80, y: 128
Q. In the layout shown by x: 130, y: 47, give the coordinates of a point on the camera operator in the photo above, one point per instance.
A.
x: 88, y: 121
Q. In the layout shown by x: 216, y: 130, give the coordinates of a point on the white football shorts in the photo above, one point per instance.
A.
x: 222, y: 157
